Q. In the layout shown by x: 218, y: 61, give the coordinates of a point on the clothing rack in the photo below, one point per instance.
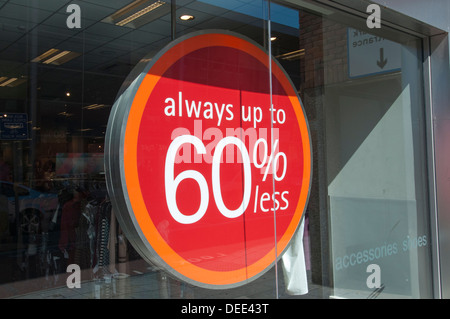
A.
x: 93, y: 241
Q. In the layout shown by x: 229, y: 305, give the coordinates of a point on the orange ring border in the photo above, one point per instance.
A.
x: 165, y: 252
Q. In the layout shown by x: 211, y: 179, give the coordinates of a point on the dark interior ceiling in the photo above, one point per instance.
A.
x: 107, y: 52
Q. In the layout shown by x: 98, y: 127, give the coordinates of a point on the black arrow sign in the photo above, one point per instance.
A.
x: 382, y: 61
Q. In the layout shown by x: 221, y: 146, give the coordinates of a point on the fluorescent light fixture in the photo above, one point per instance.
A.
x: 290, y: 56
x: 140, y: 13
x: 94, y: 106
x: 45, y: 55
x: 136, y: 14
x: 56, y: 57
x: 65, y: 114
x: 19, y: 81
x: 132, y: 7
x: 8, y: 82
x: 12, y: 82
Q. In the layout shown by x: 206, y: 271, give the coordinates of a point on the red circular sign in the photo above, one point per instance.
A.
x: 212, y: 176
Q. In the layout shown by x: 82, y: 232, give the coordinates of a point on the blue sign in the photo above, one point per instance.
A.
x: 13, y: 126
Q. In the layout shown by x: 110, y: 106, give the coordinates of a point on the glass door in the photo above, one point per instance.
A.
x: 367, y: 231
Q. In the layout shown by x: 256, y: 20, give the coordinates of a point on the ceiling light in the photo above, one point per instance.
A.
x: 12, y: 82
x: 94, y: 106
x: 45, y: 55
x: 136, y: 14
x: 290, y: 56
x: 56, y: 57
x: 187, y: 17
x: 19, y: 81
x: 273, y: 38
x: 8, y: 82
x: 130, y: 8
x: 67, y: 93
x: 65, y: 114
x: 140, y: 13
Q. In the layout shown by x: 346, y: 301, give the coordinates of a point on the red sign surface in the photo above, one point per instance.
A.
x: 213, y: 175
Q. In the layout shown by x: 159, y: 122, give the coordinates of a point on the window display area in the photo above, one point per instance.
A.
x: 151, y: 149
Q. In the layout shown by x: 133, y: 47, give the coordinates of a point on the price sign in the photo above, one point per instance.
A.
x: 208, y: 160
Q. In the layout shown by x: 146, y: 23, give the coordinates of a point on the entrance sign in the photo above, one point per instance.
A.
x: 205, y: 175
x: 369, y: 54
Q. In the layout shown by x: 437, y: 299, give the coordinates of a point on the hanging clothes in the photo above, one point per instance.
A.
x: 89, y: 216
x: 70, y: 217
x: 103, y: 229
x: 82, y: 251
x: 112, y: 241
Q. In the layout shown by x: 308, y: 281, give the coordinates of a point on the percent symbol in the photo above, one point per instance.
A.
x: 269, y: 161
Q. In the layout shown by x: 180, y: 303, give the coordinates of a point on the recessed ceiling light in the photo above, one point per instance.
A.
x: 186, y: 17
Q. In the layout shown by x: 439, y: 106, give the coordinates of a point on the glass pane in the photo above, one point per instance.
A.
x: 366, y: 231
x: 61, y: 71
x: 64, y: 71
x: 201, y: 204
x: 67, y: 66
x: 377, y: 179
